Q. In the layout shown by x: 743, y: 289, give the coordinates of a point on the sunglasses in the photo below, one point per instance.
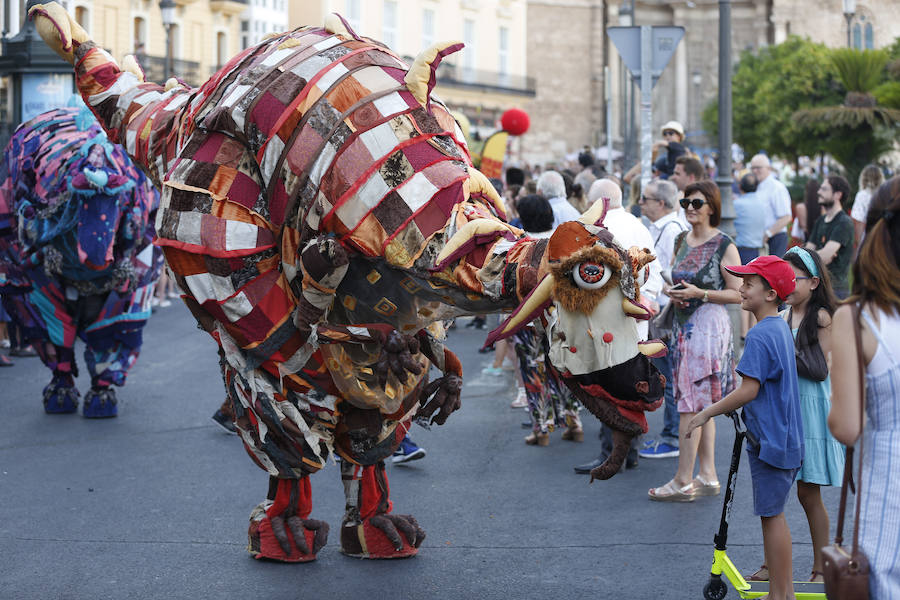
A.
x: 670, y: 132
x: 644, y: 199
x: 695, y: 203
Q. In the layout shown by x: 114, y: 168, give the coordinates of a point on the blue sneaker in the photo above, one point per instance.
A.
x: 407, y: 451
x: 658, y: 449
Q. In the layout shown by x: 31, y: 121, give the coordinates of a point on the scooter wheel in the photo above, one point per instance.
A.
x: 715, y: 589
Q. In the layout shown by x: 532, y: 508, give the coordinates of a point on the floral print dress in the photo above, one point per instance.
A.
x: 550, y: 403
x: 703, y: 353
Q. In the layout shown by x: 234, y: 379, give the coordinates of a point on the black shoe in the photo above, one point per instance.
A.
x: 486, y: 349
x: 526, y: 424
x: 225, y: 421
x: 586, y: 469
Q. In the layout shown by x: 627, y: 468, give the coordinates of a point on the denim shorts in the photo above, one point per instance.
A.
x: 771, y: 486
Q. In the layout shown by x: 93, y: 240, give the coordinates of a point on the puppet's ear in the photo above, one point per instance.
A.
x: 529, y: 310
x: 58, y: 29
x: 421, y: 78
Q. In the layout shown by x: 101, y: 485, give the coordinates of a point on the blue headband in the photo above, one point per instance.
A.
x: 807, y: 259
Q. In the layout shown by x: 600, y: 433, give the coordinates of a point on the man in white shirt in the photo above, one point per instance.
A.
x: 628, y: 231
x: 658, y: 205
x: 776, y: 202
x: 551, y: 186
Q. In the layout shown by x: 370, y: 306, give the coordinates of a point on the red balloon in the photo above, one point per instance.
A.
x: 515, y: 121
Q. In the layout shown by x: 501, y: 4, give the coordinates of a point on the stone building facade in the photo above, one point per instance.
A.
x: 568, y: 50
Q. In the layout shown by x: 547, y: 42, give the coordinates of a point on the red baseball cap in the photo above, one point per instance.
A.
x: 776, y: 271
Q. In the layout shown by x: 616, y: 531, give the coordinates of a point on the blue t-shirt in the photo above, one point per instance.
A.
x: 774, y: 415
x: 749, y: 221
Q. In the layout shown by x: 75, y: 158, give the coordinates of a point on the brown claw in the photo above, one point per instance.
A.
x: 297, y: 529
x: 387, y: 526
x: 281, y: 534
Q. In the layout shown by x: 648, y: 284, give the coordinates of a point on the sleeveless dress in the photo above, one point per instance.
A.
x: 823, y: 460
x: 879, y: 534
x: 703, y: 353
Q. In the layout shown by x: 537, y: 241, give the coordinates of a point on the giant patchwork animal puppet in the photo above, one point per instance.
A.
x: 320, y: 211
x: 76, y: 253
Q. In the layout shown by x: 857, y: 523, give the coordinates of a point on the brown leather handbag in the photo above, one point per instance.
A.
x: 847, y: 573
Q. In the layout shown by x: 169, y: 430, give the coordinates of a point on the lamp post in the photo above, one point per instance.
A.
x: 723, y: 178
x: 40, y: 80
x: 849, y: 13
x: 167, y: 8
x: 626, y: 19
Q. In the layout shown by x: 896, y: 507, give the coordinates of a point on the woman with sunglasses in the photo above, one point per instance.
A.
x: 702, y: 349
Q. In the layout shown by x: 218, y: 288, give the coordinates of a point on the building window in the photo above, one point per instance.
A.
x: 862, y: 33
x: 503, y: 53
x: 83, y: 17
x: 427, y: 28
x: 245, y: 34
x: 389, y: 24
x: 354, y: 14
x: 221, y: 48
x: 140, y: 37
x: 469, y: 52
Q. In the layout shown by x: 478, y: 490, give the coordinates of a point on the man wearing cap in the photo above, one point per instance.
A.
x: 775, y: 201
x: 673, y: 142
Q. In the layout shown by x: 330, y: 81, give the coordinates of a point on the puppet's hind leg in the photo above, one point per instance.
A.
x: 368, y: 529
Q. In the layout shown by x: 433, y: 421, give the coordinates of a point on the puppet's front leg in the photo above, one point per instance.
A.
x: 280, y: 527
x: 369, y: 530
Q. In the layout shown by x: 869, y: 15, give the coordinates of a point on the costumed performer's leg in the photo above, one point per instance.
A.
x: 113, y: 336
x: 44, y: 316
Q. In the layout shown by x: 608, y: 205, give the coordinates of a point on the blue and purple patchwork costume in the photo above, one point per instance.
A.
x: 76, y: 253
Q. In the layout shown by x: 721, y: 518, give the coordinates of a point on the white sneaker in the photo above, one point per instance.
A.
x: 4, y: 344
x: 521, y: 400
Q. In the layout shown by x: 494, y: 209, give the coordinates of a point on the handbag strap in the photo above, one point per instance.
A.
x: 862, y: 423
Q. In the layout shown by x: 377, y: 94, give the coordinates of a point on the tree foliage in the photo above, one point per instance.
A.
x: 768, y: 87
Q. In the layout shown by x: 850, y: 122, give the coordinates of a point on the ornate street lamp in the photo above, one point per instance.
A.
x: 40, y: 80
x: 167, y: 8
x: 849, y: 13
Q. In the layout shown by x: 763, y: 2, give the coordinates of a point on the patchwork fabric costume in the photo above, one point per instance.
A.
x: 321, y: 212
x: 76, y: 254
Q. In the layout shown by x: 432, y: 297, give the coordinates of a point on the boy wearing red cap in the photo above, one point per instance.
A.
x: 770, y: 398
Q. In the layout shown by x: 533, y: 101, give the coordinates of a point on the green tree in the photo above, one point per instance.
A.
x: 768, y: 87
x: 859, y: 130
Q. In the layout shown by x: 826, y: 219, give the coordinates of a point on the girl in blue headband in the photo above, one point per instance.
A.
x: 811, y: 306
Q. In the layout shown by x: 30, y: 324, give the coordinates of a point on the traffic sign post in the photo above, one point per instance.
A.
x: 646, y: 50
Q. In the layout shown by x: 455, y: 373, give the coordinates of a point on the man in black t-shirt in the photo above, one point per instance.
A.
x: 832, y: 233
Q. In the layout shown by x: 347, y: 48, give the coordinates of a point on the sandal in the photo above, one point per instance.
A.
x: 817, y: 577
x: 705, y: 488
x: 761, y: 575
x: 538, y: 439
x: 670, y: 493
x: 573, y: 434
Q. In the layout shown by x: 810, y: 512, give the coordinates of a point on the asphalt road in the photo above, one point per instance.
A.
x: 154, y: 504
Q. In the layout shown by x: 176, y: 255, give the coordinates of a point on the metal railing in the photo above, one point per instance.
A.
x: 456, y: 75
x: 186, y: 70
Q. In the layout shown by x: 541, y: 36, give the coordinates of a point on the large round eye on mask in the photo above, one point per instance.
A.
x: 591, y: 275
x: 642, y: 276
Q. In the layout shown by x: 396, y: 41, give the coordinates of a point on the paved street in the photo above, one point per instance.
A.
x: 155, y: 504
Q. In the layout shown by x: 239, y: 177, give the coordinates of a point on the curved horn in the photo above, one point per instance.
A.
x: 59, y: 30
x: 338, y: 25
x: 479, y: 183
x: 526, y: 312
x: 596, y: 213
x: 602, y: 194
x: 421, y: 79
x: 468, y: 235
